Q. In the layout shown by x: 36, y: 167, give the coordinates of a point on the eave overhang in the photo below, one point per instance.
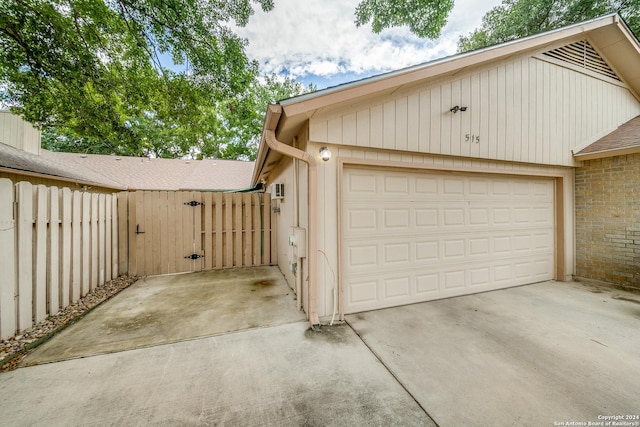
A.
x: 609, y: 34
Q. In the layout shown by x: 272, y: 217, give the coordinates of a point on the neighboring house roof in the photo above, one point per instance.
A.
x: 143, y: 173
x: 609, y: 35
x: 624, y: 140
x: 18, y: 161
x: 129, y: 173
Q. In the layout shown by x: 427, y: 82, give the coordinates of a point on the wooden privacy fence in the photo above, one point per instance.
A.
x: 164, y: 232
x: 55, y: 246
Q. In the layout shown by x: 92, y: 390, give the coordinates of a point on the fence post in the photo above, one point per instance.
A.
x: 8, y: 260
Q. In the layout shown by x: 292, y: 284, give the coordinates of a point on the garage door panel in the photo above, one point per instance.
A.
x: 418, y: 285
x: 426, y: 218
x: 449, y: 216
x: 363, y: 293
x: 427, y: 285
x: 363, y: 184
x: 397, y: 185
x: 363, y: 256
x: 396, y: 287
x: 444, y: 248
x: 411, y: 237
x: 396, y: 253
x: 363, y: 220
x: 426, y: 186
x: 395, y: 219
x: 427, y: 250
x: 540, y: 263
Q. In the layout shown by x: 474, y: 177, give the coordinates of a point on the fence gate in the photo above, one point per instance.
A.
x: 182, y: 231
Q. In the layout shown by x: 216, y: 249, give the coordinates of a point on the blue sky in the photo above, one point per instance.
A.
x: 317, y: 41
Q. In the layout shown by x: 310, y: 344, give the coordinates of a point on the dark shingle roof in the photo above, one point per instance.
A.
x: 625, y: 137
x: 132, y: 173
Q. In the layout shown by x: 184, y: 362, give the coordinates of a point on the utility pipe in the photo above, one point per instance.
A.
x: 312, y: 239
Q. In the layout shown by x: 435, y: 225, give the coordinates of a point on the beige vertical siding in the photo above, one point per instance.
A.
x: 526, y: 110
x: 19, y: 134
x: 283, y: 215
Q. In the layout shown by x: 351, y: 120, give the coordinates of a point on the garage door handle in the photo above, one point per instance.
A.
x: 138, y: 229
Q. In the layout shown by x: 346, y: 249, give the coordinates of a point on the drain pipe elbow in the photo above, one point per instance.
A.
x: 289, y: 151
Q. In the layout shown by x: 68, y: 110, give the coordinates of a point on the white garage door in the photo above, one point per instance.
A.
x: 418, y: 236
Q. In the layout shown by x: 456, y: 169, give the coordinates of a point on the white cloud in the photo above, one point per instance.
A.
x: 319, y: 38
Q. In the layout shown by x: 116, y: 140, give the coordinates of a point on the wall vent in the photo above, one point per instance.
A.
x: 583, y: 55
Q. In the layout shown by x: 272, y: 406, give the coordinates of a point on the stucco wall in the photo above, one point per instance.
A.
x: 607, y: 207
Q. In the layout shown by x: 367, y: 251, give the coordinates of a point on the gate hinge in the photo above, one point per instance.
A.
x: 194, y: 256
x: 193, y: 203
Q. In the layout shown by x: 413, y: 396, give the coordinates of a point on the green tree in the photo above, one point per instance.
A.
x: 425, y: 18
x: 514, y: 19
x: 228, y: 128
x: 90, y: 73
x: 240, y: 119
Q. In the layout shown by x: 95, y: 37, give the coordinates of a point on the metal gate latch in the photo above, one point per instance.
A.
x: 193, y: 203
x: 194, y: 256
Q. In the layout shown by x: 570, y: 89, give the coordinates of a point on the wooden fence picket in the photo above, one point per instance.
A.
x: 25, y: 255
x: 86, y: 245
x: 182, y: 231
x: 59, y: 244
x: 40, y: 262
x: 8, y: 278
x: 49, y: 252
x: 66, y: 248
x: 53, y: 262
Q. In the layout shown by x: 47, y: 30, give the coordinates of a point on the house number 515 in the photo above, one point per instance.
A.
x: 474, y: 138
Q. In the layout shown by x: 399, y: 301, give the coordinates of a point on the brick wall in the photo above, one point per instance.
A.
x: 607, y: 195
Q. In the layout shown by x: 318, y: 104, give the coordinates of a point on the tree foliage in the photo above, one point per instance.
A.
x: 224, y: 128
x: 92, y: 74
x: 514, y: 19
x: 425, y: 18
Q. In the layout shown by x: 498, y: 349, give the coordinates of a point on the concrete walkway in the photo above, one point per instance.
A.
x: 277, y: 376
x: 537, y: 355
x: 165, y: 309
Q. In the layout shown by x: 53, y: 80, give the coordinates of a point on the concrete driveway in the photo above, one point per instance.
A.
x: 530, y: 356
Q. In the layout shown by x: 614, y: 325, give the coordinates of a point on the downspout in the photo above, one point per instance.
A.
x: 287, y: 150
x: 296, y: 223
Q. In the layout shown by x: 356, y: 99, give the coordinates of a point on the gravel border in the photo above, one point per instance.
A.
x: 14, y: 349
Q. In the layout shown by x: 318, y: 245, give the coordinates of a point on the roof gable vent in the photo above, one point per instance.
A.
x: 583, y: 55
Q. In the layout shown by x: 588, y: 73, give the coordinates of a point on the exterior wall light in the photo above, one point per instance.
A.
x: 325, y: 154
